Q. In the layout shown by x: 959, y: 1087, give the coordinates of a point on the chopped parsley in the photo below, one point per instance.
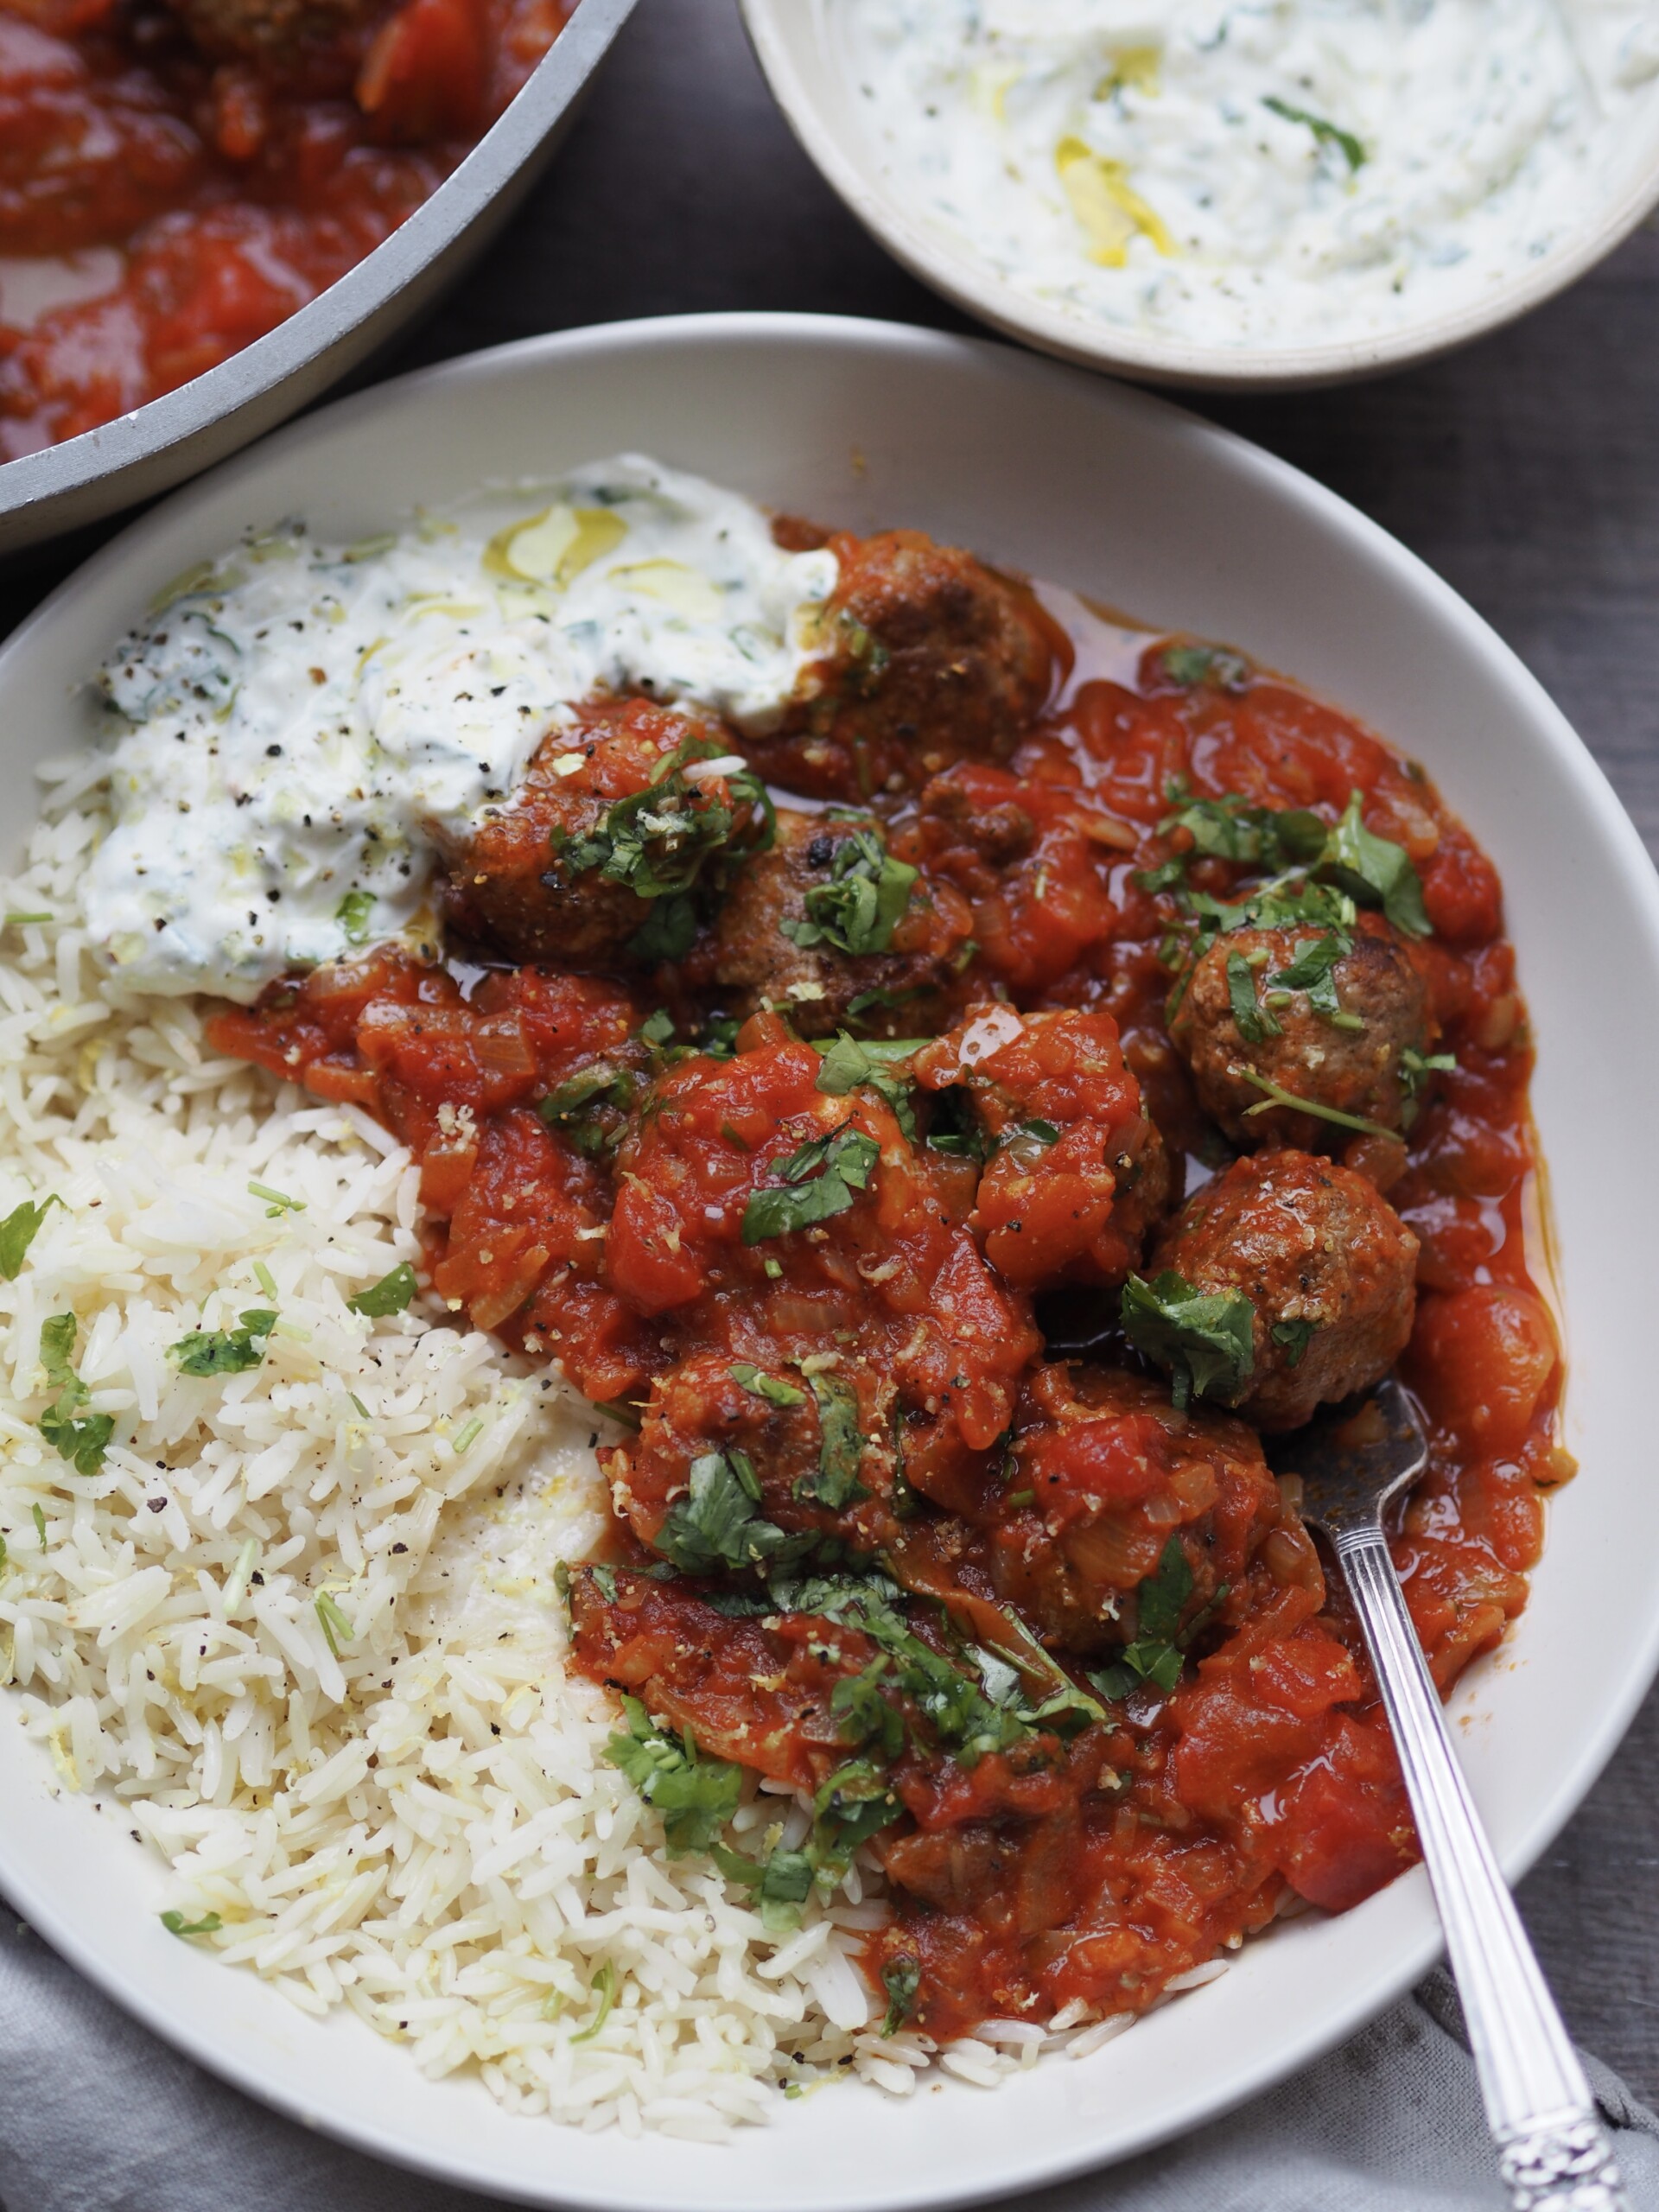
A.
x: 772, y: 1387
x: 1274, y: 1094
x: 834, y: 1482
x: 352, y: 914
x: 850, y: 1065
x: 1156, y: 1653
x: 391, y: 1294
x: 658, y: 840
x: 695, y: 1796
x: 902, y: 1979
x: 1325, y: 134
x: 1231, y: 829
x: 18, y: 1231
x: 857, y: 910
x: 1374, y: 871
x: 1205, y: 1339
x: 717, y: 1525
x: 81, y: 1438
x: 225, y: 1352
x: 819, y: 1182
x: 584, y: 1107
x: 1293, y: 1338
x: 177, y: 1925
x: 1251, y: 1020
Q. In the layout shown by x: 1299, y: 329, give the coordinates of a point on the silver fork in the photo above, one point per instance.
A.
x: 1554, y: 2153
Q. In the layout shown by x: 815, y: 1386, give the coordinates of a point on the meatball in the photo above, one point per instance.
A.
x: 1327, y: 1264
x: 827, y: 918
x: 1103, y: 1471
x: 278, y: 33
x: 931, y: 657
x: 552, y: 872
x: 1352, y: 1058
x: 1075, y: 1171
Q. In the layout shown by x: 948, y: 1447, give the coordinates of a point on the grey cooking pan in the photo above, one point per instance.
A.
x: 158, y: 445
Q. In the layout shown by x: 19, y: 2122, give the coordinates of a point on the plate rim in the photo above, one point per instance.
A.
x: 1249, y: 2076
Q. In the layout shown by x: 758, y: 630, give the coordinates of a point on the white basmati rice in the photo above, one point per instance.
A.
x: 395, y: 1799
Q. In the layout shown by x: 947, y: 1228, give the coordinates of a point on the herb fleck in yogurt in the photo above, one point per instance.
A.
x: 1275, y: 174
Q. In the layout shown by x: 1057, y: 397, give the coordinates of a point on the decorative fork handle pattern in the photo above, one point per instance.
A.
x: 1555, y: 2155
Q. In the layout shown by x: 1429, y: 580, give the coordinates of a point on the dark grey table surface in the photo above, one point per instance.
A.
x: 1526, y: 470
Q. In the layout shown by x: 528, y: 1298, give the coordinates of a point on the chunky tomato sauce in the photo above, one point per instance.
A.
x: 940, y: 1499
x: 185, y: 176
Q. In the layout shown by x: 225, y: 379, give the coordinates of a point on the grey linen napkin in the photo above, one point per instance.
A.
x: 97, y: 2115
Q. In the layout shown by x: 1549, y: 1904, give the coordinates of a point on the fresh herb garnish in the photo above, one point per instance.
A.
x: 177, y: 1925
x: 225, y: 1352
x: 1325, y: 134
x: 1229, y: 828
x: 772, y: 1387
x: 1205, y: 1339
x: 1293, y: 1337
x: 1374, y: 871
x: 717, y: 1527
x: 277, y: 1202
x: 954, y: 1129
x: 1274, y: 1094
x: 39, y: 1519
x: 1251, y: 1020
x: 391, y: 1294
x: 658, y: 840
x: 819, y: 1182
x: 1313, y: 972
x: 695, y: 1796
x: 576, y: 1107
x: 1156, y: 1653
x: 834, y: 1482
x: 80, y: 1439
x: 901, y: 1978
x: 857, y: 910
x: 336, y: 1628
x: 18, y: 1231
x: 1416, y: 1069
x: 668, y: 931
x: 848, y: 1065
x: 352, y: 914
x: 604, y: 1989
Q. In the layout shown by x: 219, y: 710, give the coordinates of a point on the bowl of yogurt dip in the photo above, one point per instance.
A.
x: 1231, y: 192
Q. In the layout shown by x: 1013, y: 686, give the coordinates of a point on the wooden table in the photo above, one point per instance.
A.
x: 1525, y: 470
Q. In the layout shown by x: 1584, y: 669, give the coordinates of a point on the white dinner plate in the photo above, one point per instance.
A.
x: 1042, y: 468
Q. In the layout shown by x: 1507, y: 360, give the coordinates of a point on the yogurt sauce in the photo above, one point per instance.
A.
x: 1246, y: 172
x: 291, y: 725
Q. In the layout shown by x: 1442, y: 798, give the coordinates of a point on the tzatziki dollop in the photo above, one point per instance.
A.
x: 291, y: 726
x: 1260, y: 173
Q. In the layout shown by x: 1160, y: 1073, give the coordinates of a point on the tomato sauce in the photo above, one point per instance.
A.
x: 870, y: 1371
x: 186, y: 177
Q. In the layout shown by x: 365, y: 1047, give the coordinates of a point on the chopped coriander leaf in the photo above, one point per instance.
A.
x: 1206, y: 1340
x: 1229, y: 828
x: 336, y: 1628
x: 849, y: 1064
x: 1374, y: 871
x: 277, y: 1201
x: 391, y: 1294
x: 1251, y: 1020
x: 18, y: 1231
x: 668, y: 932
x: 574, y: 1108
x: 819, y: 1182
x: 225, y: 1352
x: 1155, y: 1655
x: 1314, y: 973
x: 715, y: 1526
x: 857, y: 1802
x: 1274, y: 1094
x: 605, y: 1989
x: 78, y: 1438
x: 352, y: 914
x: 658, y: 840
x: 863, y: 1715
x: 833, y: 1483
x: 772, y: 1387
x: 902, y: 1980
x: 1294, y: 1336
x: 782, y: 1883
x: 39, y: 1519
x: 955, y: 1130
x: 177, y: 1925
x: 695, y: 1796
x: 857, y: 910
x: 1415, y: 1068
x: 1189, y: 665
x: 1325, y: 134
x: 656, y: 1028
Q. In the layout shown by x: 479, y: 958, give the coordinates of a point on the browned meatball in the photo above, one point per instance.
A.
x: 550, y: 873
x: 931, y: 657
x: 279, y: 33
x: 1104, y: 1470
x: 1327, y: 1264
x: 1353, y: 1059
x: 784, y: 929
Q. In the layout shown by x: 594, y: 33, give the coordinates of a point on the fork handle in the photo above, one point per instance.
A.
x: 1553, y: 2154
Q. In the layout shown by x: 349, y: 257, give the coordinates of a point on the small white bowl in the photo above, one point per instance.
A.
x: 1126, y: 499
x: 801, y: 56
